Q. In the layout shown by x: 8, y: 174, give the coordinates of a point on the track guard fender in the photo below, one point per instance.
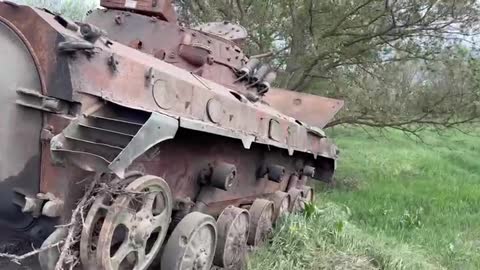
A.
x: 157, y: 129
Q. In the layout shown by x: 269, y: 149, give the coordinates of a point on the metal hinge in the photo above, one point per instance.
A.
x: 33, y: 99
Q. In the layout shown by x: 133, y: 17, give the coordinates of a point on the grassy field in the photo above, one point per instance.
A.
x: 396, y: 204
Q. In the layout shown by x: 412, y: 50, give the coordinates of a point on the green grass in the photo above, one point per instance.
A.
x: 396, y: 204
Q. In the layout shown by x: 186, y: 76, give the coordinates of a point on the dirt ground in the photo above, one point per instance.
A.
x: 29, y: 264
x: 18, y: 247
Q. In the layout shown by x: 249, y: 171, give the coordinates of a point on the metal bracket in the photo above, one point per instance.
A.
x: 33, y: 206
x: 53, y: 206
x: 158, y: 128
x: 33, y: 99
x: 96, y: 149
x: 75, y: 45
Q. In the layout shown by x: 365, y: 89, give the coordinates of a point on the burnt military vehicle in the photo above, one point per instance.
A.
x: 190, y: 155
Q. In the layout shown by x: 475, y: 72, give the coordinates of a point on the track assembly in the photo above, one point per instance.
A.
x: 261, y: 213
x: 131, y: 229
x: 192, y: 244
x: 231, y: 252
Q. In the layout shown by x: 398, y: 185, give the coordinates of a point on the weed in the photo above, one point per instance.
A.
x: 411, y: 219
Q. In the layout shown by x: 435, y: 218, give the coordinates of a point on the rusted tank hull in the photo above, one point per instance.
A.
x: 315, y: 110
x: 79, y: 108
x: 78, y: 79
x: 178, y: 162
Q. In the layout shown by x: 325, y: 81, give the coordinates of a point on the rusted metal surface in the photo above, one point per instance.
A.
x: 189, y: 97
x: 231, y: 251
x: 311, y: 109
x: 192, y: 243
x: 94, y: 221
x: 41, y: 38
x: 308, y: 194
x: 281, y: 202
x: 158, y: 8
x: 182, y: 168
x: 297, y: 203
x: 261, y: 213
x: 208, y: 56
x: 134, y: 224
x: 128, y: 92
x: 226, y: 30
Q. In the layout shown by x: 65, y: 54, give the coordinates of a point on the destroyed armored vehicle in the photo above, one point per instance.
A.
x: 143, y: 144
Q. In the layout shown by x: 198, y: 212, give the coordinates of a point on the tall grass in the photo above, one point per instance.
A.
x: 396, y: 204
x: 427, y: 194
x: 74, y: 9
x: 328, y: 240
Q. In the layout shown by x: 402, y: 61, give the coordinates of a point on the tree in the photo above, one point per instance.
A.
x: 444, y: 93
x: 355, y: 50
x: 73, y: 9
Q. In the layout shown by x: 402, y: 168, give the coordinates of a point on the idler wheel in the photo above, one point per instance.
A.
x: 281, y: 202
x: 192, y: 244
x: 231, y: 252
x: 297, y: 203
x: 135, y: 225
x: 224, y: 176
x: 261, y: 213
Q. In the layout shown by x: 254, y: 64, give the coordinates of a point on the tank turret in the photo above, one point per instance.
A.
x: 162, y: 9
x: 211, y: 51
